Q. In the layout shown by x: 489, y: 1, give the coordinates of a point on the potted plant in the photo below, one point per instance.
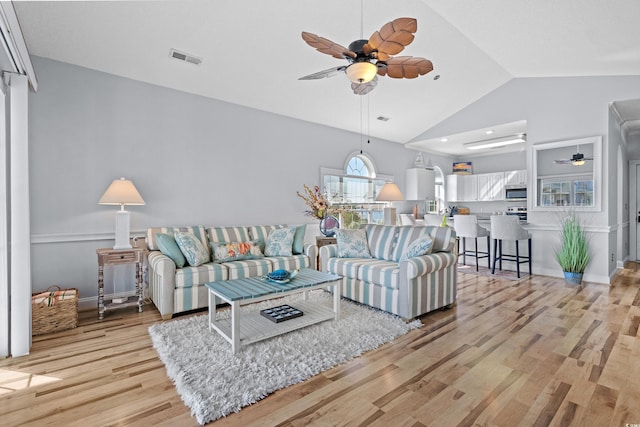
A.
x: 573, y: 255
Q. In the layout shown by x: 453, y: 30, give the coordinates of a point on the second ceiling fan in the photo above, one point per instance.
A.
x: 369, y: 58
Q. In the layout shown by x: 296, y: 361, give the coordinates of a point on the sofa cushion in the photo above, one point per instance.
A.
x: 168, y: 246
x: 348, y: 266
x: 260, y: 233
x: 192, y: 249
x: 248, y: 268
x: 352, y: 244
x: 228, y: 234
x: 406, y: 235
x: 293, y: 262
x: 381, y: 240
x: 280, y: 242
x: 420, y: 246
x: 381, y: 273
x: 195, y: 276
x: 444, y: 239
x: 298, y: 239
x: 152, y: 241
x: 235, y: 251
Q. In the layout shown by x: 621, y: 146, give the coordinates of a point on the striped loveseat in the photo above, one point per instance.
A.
x: 407, y: 288
x: 174, y: 290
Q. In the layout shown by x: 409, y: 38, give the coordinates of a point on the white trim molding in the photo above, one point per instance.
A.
x: 79, y: 237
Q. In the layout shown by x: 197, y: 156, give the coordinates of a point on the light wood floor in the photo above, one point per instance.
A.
x: 533, y: 353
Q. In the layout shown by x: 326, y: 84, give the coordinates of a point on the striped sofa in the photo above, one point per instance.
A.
x: 174, y: 290
x: 407, y: 288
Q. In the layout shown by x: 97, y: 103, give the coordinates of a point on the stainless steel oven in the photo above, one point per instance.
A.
x: 520, y: 211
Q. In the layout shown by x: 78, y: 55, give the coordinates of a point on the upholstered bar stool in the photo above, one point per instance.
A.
x: 432, y: 219
x: 507, y: 227
x: 466, y: 226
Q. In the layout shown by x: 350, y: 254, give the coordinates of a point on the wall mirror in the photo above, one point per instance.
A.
x: 567, y: 174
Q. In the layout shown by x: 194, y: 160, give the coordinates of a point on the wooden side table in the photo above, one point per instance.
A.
x: 320, y: 242
x: 108, y: 256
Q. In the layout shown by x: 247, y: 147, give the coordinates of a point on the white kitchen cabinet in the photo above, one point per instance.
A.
x: 516, y: 178
x: 452, y: 186
x: 470, y: 188
x: 461, y: 188
x: 491, y: 186
x: 479, y: 187
x: 419, y: 184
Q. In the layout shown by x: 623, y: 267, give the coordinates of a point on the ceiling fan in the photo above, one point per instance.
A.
x: 578, y: 159
x: 369, y: 58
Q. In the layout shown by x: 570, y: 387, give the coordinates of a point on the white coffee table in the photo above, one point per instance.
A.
x: 245, y: 328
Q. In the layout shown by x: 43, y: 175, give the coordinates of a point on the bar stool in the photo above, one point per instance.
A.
x: 466, y: 226
x: 432, y: 219
x: 507, y: 227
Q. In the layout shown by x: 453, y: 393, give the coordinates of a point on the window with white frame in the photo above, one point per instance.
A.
x: 437, y: 205
x: 353, y: 191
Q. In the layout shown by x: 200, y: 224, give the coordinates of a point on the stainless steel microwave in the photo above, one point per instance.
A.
x: 516, y: 193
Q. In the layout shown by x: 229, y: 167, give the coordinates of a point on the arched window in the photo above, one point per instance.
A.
x: 353, y: 190
x: 357, y: 166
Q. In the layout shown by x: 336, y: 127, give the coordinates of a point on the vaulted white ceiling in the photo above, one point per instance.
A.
x: 253, y: 53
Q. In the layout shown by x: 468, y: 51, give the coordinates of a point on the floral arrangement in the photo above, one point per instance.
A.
x: 317, y: 201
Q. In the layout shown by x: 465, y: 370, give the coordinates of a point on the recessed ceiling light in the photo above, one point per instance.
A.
x: 444, y: 140
x: 489, y: 132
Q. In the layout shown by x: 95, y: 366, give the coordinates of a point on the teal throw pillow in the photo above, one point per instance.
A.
x: 352, y: 243
x: 235, y: 251
x: 168, y: 246
x: 298, y: 239
x: 192, y: 248
x: 419, y: 247
x: 280, y: 242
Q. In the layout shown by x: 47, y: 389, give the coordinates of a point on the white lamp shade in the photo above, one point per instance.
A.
x: 361, y: 72
x: 390, y: 193
x: 121, y: 192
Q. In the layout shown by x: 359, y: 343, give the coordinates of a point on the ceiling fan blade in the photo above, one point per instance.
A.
x: 562, y: 162
x: 392, y: 37
x: 405, y: 67
x: 326, y: 46
x: 325, y: 73
x: 364, y: 88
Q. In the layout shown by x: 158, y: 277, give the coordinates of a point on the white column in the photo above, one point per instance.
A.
x: 4, y: 238
x: 20, y: 230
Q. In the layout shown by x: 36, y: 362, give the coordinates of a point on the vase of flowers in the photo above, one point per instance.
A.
x: 319, y: 207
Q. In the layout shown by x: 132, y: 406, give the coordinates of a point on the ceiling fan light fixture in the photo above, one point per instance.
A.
x: 578, y: 162
x: 361, y: 72
x: 493, y: 143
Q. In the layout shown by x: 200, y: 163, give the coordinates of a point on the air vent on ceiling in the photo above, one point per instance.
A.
x: 383, y: 118
x: 185, y: 57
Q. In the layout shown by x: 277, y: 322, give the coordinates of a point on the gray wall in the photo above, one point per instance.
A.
x: 194, y: 160
x: 559, y: 109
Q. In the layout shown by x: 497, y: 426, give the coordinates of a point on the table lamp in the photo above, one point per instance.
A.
x: 389, y: 193
x: 121, y: 192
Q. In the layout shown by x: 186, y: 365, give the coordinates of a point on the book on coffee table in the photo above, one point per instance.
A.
x: 281, y: 313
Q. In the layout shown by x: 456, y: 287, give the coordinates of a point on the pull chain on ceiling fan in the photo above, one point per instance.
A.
x: 368, y: 59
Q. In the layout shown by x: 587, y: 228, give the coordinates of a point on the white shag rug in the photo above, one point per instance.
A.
x: 214, y: 382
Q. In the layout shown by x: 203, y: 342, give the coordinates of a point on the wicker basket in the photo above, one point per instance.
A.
x: 62, y: 315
